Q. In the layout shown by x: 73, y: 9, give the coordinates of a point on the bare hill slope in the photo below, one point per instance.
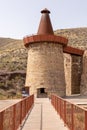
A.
x: 13, y: 59
x: 77, y: 36
x: 13, y: 55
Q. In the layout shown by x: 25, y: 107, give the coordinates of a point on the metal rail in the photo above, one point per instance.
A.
x: 12, y: 117
x: 73, y: 116
x: 41, y: 117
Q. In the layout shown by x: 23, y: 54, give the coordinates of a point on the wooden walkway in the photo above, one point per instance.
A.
x: 43, y: 117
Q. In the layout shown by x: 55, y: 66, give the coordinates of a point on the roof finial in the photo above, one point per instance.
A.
x: 45, y: 26
x: 45, y: 11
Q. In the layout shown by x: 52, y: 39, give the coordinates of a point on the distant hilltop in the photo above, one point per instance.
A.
x: 77, y: 36
x: 13, y: 54
x: 13, y: 59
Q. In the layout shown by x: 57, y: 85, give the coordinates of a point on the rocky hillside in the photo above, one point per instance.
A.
x: 13, y: 60
x: 13, y: 55
x: 77, y: 36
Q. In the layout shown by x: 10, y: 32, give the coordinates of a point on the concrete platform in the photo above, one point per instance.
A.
x: 6, y: 103
x: 43, y: 117
x: 78, y: 100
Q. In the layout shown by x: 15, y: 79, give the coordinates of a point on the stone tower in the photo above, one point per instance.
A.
x: 45, y: 64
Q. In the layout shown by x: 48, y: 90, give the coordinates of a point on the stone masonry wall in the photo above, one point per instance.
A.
x: 67, y: 68
x: 73, y: 71
x: 83, y: 87
x: 45, y: 68
x: 76, y: 74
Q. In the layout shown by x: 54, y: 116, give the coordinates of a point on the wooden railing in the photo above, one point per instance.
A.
x: 73, y: 116
x: 12, y: 117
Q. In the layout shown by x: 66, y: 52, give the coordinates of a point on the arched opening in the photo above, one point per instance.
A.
x: 41, y: 93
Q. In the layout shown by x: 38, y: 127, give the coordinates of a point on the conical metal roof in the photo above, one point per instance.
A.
x: 45, y: 26
x: 45, y: 32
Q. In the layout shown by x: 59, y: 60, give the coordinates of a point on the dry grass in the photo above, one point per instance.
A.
x: 77, y: 36
x: 13, y: 54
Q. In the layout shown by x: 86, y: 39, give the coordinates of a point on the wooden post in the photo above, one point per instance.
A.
x: 60, y: 108
x: 85, y: 120
x: 64, y: 112
x: 1, y: 120
x: 21, y: 112
x: 14, y: 112
x: 72, y: 120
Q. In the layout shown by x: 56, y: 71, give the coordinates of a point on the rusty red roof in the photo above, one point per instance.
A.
x: 45, y: 26
x: 45, y: 32
x: 45, y: 38
x: 72, y: 50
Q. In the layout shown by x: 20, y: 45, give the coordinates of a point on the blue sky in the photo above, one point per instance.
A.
x: 19, y: 18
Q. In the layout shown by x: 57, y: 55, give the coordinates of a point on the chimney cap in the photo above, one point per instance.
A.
x: 45, y: 11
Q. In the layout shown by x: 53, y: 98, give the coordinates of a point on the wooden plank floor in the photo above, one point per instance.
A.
x: 43, y: 117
